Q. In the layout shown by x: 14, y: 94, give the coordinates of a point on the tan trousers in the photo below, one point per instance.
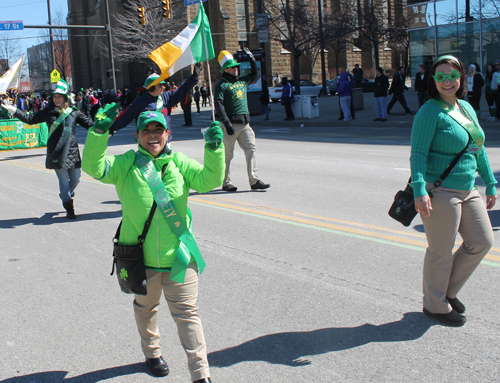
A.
x: 445, y: 271
x: 245, y: 136
x: 181, y: 299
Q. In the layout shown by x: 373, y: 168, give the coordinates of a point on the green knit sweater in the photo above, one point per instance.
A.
x: 436, y: 139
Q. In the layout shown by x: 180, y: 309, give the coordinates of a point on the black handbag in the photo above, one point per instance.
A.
x: 403, y: 207
x: 129, y: 261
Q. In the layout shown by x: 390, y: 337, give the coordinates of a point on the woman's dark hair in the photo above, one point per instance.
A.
x: 380, y: 69
x: 456, y: 64
x: 489, y: 74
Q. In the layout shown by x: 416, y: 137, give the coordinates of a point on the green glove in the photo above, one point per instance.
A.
x: 213, y: 135
x: 105, y: 117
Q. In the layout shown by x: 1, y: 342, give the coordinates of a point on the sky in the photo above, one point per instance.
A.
x: 30, y: 12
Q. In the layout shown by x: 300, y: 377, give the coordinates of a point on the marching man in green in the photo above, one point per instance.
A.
x: 231, y: 103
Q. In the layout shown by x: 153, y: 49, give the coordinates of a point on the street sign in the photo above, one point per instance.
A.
x: 191, y: 2
x: 11, y: 25
x: 55, y: 76
x: 263, y: 35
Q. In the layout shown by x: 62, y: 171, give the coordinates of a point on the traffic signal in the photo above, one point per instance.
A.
x: 142, y: 15
x: 166, y: 9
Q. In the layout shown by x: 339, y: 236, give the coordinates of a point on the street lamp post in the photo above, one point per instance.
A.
x: 322, y: 48
x: 51, y: 38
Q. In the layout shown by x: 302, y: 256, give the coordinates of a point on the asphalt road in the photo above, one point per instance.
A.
x: 309, y: 281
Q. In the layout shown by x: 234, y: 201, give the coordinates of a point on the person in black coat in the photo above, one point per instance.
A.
x: 397, y: 90
x: 421, y: 79
x: 63, y: 155
x: 380, y: 94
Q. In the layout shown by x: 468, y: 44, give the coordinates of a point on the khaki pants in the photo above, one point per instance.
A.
x: 445, y: 271
x: 181, y: 299
x: 245, y: 136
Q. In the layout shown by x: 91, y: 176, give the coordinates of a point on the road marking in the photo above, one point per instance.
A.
x: 357, y: 230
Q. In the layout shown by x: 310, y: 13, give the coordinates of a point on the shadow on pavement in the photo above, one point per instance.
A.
x: 90, y: 377
x: 58, y: 217
x: 292, y: 348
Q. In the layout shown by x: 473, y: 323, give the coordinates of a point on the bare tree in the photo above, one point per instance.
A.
x: 61, y: 48
x: 132, y: 41
x: 371, y: 23
x: 337, y: 31
x: 293, y: 24
x: 10, y: 51
x: 399, y: 38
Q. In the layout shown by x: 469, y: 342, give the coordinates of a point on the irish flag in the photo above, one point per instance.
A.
x: 188, y: 47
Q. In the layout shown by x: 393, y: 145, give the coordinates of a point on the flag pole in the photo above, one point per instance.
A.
x: 19, y: 81
x: 211, y: 99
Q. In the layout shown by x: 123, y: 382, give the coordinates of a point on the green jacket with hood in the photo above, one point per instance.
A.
x: 182, y: 174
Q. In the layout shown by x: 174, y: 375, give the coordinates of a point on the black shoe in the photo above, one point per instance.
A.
x: 286, y: 119
x: 158, y: 366
x: 70, y: 209
x: 260, y: 185
x: 383, y: 119
x: 204, y: 380
x: 230, y: 188
x: 389, y: 112
x: 410, y: 113
x: 377, y: 119
x: 456, y: 305
x: 451, y: 319
x: 340, y: 118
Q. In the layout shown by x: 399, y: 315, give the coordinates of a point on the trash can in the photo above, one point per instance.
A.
x: 297, y: 107
x: 357, y: 99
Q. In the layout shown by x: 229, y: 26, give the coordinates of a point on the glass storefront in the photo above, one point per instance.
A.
x: 467, y: 29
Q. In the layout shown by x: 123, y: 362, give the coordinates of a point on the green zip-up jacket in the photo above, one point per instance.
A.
x: 182, y: 174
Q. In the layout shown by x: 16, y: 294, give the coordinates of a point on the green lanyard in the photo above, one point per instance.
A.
x: 467, y: 123
x: 60, y: 119
x: 187, y: 246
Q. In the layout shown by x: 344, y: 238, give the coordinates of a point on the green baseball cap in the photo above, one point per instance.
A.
x: 150, y: 79
x: 150, y: 116
x: 62, y: 88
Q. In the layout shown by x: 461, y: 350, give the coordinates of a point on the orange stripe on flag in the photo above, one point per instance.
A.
x: 165, y: 56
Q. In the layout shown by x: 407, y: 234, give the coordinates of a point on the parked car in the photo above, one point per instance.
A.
x: 307, y: 88
x: 367, y: 85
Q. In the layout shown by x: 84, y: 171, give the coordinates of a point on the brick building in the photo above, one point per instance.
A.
x: 233, y: 26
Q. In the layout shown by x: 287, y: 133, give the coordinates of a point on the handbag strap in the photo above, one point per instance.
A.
x: 147, y: 224
x: 448, y: 170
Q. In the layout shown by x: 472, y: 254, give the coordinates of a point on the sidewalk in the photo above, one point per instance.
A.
x: 329, y: 113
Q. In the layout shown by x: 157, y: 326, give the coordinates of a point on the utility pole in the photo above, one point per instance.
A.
x: 51, y: 38
x: 322, y: 48
x: 110, y: 44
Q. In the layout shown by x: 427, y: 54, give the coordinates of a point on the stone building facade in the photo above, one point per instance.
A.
x: 233, y: 26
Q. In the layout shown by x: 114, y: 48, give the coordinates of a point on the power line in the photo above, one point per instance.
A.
x: 22, y: 5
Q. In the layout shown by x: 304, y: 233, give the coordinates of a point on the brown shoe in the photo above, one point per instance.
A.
x: 259, y: 185
x: 451, y: 319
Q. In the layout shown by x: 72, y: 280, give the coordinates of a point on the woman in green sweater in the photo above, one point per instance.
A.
x: 442, y: 128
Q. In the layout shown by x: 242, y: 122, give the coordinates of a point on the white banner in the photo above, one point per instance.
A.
x: 12, y: 78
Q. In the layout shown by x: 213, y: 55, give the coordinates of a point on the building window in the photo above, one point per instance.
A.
x: 241, y: 20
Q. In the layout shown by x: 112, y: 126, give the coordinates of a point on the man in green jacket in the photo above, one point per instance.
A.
x: 163, y: 250
x: 231, y: 103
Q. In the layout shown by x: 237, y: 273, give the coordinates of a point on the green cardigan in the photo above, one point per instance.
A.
x: 182, y: 174
x: 436, y: 139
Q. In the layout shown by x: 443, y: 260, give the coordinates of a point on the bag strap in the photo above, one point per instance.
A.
x: 448, y: 170
x: 147, y: 224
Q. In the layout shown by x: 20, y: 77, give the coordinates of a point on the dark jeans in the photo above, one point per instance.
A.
x: 422, y: 98
x: 187, y: 116
x: 288, y: 110
x: 401, y: 98
x: 197, y: 106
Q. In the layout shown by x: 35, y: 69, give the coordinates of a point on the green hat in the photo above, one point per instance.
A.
x: 226, y: 60
x: 150, y: 116
x: 62, y: 88
x: 150, y: 79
